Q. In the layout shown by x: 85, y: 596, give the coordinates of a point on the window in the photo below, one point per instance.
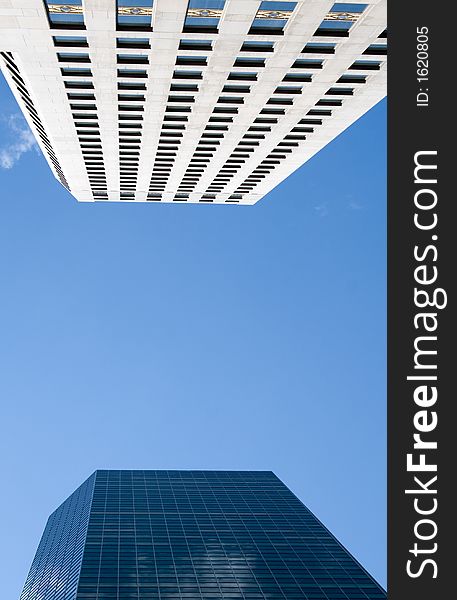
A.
x: 228, y: 110
x: 132, y: 59
x: 203, y: 16
x: 288, y: 89
x: 137, y: 107
x: 124, y: 85
x: 272, y: 111
x: 307, y: 63
x: 180, y: 109
x: 81, y: 96
x: 340, y: 91
x: 280, y: 101
x: 134, y: 15
x: 195, y: 45
x: 84, y: 116
x: 334, y: 29
x: 242, y: 61
x: 352, y: 78
x: 65, y: 15
x: 366, y: 65
x: 257, y: 47
x: 69, y: 40
x: 191, y: 60
x: 184, y: 87
x: 87, y: 133
x: 265, y: 120
x: 187, y: 75
x: 377, y: 49
x: 340, y: 19
x: 344, y: 8
x: 319, y: 48
x: 130, y: 126
x: 319, y: 112
x: 175, y: 118
x: 221, y: 119
x: 272, y: 17
x: 83, y: 107
x: 131, y: 73
x: 236, y: 89
x: 73, y: 57
x: 84, y: 124
x: 329, y: 102
x: 242, y: 75
x: 76, y: 72
x: 181, y: 99
x: 135, y: 43
x: 298, y: 77
x: 131, y: 97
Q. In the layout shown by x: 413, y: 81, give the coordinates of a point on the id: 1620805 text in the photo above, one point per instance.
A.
x: 422, y: 65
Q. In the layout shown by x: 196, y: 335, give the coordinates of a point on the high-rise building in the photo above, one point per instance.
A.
x: 196, y: 535
x: 189, y: 100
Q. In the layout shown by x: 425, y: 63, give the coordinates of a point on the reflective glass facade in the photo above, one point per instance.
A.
x: 197, y: 535
x: 54, y: 573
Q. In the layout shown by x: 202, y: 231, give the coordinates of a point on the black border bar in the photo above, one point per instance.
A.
x: 421, y: 327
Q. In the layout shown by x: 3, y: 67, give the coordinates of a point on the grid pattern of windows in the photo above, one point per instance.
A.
x: 54, y: 573
x: 199, y: 535
x: 144, y: 82
x: 84, y: 112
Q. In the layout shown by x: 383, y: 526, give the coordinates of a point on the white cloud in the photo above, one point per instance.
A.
x: 354, y: 205
x: 23, y: 141
x: 322, y: 209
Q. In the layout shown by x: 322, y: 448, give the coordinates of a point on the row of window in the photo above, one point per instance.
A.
x: 188, y: 61
x: 197, y: 45
x: 85, y: 119
x: 214, y: 592
x: 28, y: 102
x: 88, y: 131
x: 130, y: 126
x: 204, y: 16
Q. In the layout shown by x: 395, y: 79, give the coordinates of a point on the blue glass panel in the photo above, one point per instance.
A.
x: 348, y: 7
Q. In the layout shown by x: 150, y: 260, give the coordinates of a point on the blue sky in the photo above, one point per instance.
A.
x: 173, y: 336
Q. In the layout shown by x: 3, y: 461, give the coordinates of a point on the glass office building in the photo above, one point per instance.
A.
x: 209, y: 535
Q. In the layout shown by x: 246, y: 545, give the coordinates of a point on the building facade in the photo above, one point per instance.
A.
x: 197, y: 535
x: 189, y: 100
